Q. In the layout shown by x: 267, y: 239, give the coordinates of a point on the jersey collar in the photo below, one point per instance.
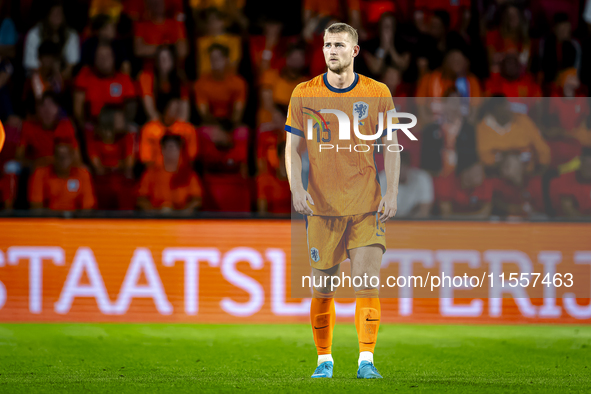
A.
x: 337, y: 90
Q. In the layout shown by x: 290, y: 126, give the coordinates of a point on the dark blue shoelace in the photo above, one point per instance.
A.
x: 321, y: 368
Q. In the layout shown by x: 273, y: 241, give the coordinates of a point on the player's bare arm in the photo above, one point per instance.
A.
x: 389, y: 202
x: 294, y: 147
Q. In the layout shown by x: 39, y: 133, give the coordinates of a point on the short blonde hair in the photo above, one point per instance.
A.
x: 340, y: 27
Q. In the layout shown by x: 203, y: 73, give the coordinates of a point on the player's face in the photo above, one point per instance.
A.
x: 339, y: 51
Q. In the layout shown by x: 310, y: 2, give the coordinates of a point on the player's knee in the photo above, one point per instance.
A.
x: 323, y: 293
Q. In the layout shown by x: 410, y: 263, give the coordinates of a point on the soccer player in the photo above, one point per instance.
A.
x: 344, y: 211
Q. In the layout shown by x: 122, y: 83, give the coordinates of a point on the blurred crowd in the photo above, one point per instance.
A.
x: 178, y: 106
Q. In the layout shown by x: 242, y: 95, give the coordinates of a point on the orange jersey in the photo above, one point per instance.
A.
x: 169, y: 189
x: 342, y: 182
x: 100, y: 91
x: 521, y: 136
x: 62, y: 194
x: 434, y: 84
x: 220, y: 95
x: 38, y: 142
x: 111, y: 155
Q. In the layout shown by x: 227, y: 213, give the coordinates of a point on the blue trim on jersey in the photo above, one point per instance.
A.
x: 336, y: 90
x: 295, y: 131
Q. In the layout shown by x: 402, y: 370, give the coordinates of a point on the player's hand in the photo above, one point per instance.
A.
x: 299, y: 202
x: 389, y: 204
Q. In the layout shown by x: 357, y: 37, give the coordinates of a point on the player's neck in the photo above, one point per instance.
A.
x: 342, y: 80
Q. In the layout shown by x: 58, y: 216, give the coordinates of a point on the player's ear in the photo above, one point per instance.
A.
x: 356, y: 50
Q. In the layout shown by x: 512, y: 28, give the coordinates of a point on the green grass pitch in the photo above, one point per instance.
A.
x: 163, y: 358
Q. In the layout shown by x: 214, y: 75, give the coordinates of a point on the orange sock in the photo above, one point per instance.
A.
x: 322, y: 316
x: 367, y: 318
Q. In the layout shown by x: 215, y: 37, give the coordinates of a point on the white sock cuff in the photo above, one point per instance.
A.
x: 365, y: 356
x: 324, y: 357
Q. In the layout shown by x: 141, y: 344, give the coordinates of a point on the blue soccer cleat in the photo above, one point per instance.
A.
x: 368, y: 371
x: 324, y: 370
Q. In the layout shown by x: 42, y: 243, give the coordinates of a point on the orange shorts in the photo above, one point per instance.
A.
x: 331, y: 237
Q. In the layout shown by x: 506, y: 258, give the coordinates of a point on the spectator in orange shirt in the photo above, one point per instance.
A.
x: 48, y: 76
x: 159, y: 30
x: 215, y: 33
x: 61, y: 186
x: 455, y: 72
x: 111, y: 156
x: 153, y: 131
x: 222, y: 93
x: 512, y: 35
x: 273, y: 192
x: 510, y: 81
x: 277, y: 86
x: 453, y: 75
x: 156, y: 85
x: 171, y: 186
x: 101, y: 85
x: 516, y: 193
x: 516, y: 84
x: 36, y: 147
x: 503, y: 130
